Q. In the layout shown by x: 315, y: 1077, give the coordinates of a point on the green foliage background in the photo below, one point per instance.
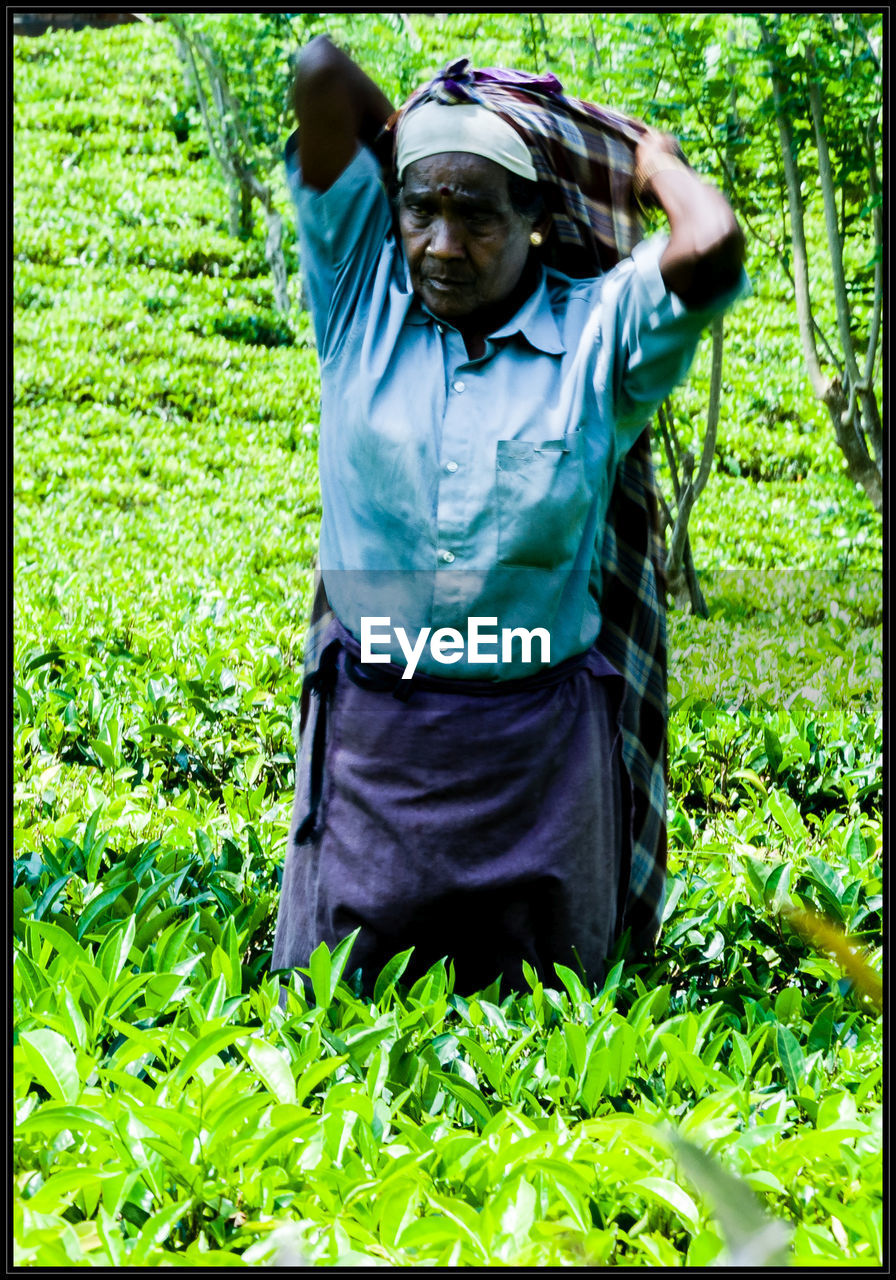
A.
x: 166, y: 511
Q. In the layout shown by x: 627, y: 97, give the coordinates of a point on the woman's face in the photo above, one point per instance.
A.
x: 465, y: 243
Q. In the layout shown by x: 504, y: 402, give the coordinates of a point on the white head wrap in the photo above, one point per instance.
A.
x: 435, y: 127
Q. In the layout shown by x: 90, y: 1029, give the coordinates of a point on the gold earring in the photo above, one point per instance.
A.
x: 536, y: 238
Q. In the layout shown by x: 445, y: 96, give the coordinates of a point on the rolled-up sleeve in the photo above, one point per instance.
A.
x: 341, y: 234
x: 651, y: 335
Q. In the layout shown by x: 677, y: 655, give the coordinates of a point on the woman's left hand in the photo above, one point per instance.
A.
x: 705, y: 252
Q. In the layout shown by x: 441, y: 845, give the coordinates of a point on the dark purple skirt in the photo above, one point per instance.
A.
x: 488, y: 828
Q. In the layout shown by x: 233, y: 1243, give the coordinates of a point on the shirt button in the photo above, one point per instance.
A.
x: 446, y: 557
x: 451, y: 466
x: 440, y: 328
x: 459, y: 386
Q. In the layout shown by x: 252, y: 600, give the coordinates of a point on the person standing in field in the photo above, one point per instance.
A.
x: 481, y: 770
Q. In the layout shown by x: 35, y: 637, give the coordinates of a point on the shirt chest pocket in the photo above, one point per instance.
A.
x: 543, y: 500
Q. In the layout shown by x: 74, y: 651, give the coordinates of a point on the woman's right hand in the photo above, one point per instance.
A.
x: 337, y: 105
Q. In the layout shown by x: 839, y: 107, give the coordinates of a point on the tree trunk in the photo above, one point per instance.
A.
x: 245, y: 225
x: 841, y: 404
x: 695, y: 594
x: 234, y: 203
x: 229, y: 145
x: 273, y: 252
x: 862, y: 470
x: 820, y: 384
x: 870, y: 407
x: 859, y: 394
x: 685, y: 588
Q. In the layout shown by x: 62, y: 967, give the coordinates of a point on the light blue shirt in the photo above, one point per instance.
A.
x: 455, y: 487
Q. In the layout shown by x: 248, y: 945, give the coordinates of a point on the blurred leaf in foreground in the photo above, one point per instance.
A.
x: 752, y: 1238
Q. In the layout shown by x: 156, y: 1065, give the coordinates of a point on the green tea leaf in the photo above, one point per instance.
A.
x: 672, y: 1195
x: 49, y: 895
x: 318, y: 1071
x: 790, y: 1055
x: 53, y: 1118
x: 61, y: 939
x: 390, y: 973
x: 52, y: 1060
x: 826, y: 876
x: 787, y: 815
x: 273, y: 1069
x: 470, y: 1099
x: 773, y: 751
x: 204, y: 1048
x: 577, y: 993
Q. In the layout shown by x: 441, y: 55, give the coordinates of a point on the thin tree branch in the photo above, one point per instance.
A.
x: 680, y: 559
x: 829, y: 202
x: 712, y: 413
x: 698, y: 600
x: 185, y: 49
x: 820, y: 384
x: 243, y: 184
x: 534, y: 40
x: 869, y: 419
x: 598, y: 61
x: 658, y: 81
x: 229, y: 110
x: 546, y: 49
x: 664, y: 417
x: 682, y: 516
x: 224, y: 101
x: 667, y: 513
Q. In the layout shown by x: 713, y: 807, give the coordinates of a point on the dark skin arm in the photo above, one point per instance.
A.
x: 705, y: 253
x: 337, y: 106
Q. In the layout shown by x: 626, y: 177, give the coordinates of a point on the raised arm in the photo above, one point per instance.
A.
x: 705, y: 253
x: 337, y: 106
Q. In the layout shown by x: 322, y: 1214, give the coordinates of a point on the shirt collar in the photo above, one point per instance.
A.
x: 534, y: 320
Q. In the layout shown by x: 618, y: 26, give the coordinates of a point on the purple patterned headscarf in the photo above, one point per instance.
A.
x: 583, y: 156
